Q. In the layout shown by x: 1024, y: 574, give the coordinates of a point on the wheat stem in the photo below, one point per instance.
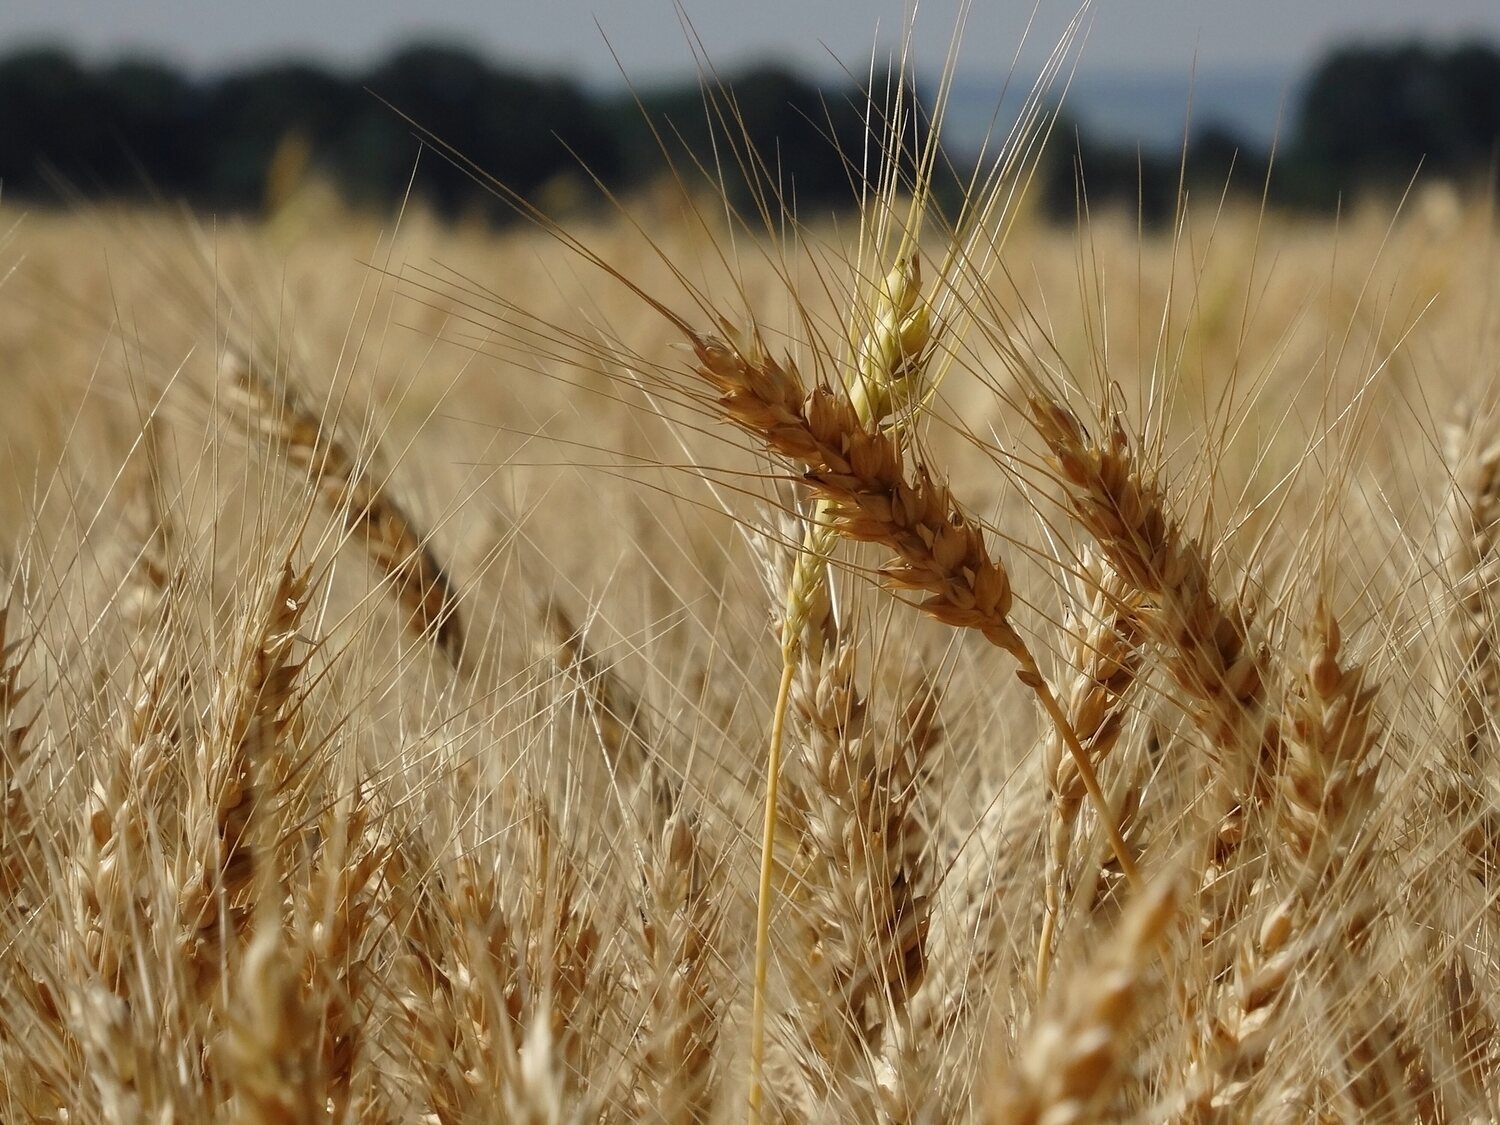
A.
x: 763, y: 894
x: 1030, y: 675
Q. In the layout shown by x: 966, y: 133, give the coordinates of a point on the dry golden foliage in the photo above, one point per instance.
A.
x: 262, y: 860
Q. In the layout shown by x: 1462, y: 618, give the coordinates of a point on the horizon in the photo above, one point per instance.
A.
x: 1126, y: 105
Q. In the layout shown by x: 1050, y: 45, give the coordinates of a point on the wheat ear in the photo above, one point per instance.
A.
x: 1066, y: 1068
x: 1326, y: 781
x: 940, y: 549
x: 1469, y: 682
x: 1211, y: 654
x: 269, y: 1051
x: 1470, y: 557
x: 1107, y: 659
x: 363, y: 504
x: 245, y: 760
x: 859, y: 877
x: 1325, y: 787
x: 17, y: 833
x: 109, y: 863
x: 676, y: 1083
x: 1207, y: 643
x: 499, y: 986
x: 458, y: 975
x: 336, y: 912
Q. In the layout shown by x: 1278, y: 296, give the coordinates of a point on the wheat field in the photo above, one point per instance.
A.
x: 399, y: 619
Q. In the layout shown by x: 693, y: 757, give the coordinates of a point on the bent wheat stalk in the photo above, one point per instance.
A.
x: 393, y: 540
x: 858, y: 471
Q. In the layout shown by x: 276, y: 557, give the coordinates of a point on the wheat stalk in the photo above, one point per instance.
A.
x: 1210, y: 651
x: 1469, y: 679
x: 270, y: 1048
x: 677, y: 1083
x: 1468, y: 558
x: 859, y: 873
x: 244, y: 757
x: 1207, y: 642
x: 17, y: 832
x: 940, y: 550
x: 335, y: 908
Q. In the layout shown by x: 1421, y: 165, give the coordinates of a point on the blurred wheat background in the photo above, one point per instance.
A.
x: 394, y: 608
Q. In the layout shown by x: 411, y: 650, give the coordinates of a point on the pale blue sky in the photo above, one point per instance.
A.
x: 1156, y: 35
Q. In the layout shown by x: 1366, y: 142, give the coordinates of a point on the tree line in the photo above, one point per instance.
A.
x: 1370, y: 119
x: 138, y: 129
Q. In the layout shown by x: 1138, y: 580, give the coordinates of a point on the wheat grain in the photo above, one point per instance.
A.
x: 678, y: 1083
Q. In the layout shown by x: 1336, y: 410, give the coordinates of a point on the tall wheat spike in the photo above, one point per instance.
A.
x: 245, y: 760
x: 887, y: 368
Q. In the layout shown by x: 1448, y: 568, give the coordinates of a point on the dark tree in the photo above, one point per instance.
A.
x: 766, y: 137
x: 50, y: 124
x: 251, y: 113
x: 1374, y: 115
x: 521, y: 130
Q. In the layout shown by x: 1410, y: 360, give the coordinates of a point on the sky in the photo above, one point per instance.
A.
x: 583, y: 37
